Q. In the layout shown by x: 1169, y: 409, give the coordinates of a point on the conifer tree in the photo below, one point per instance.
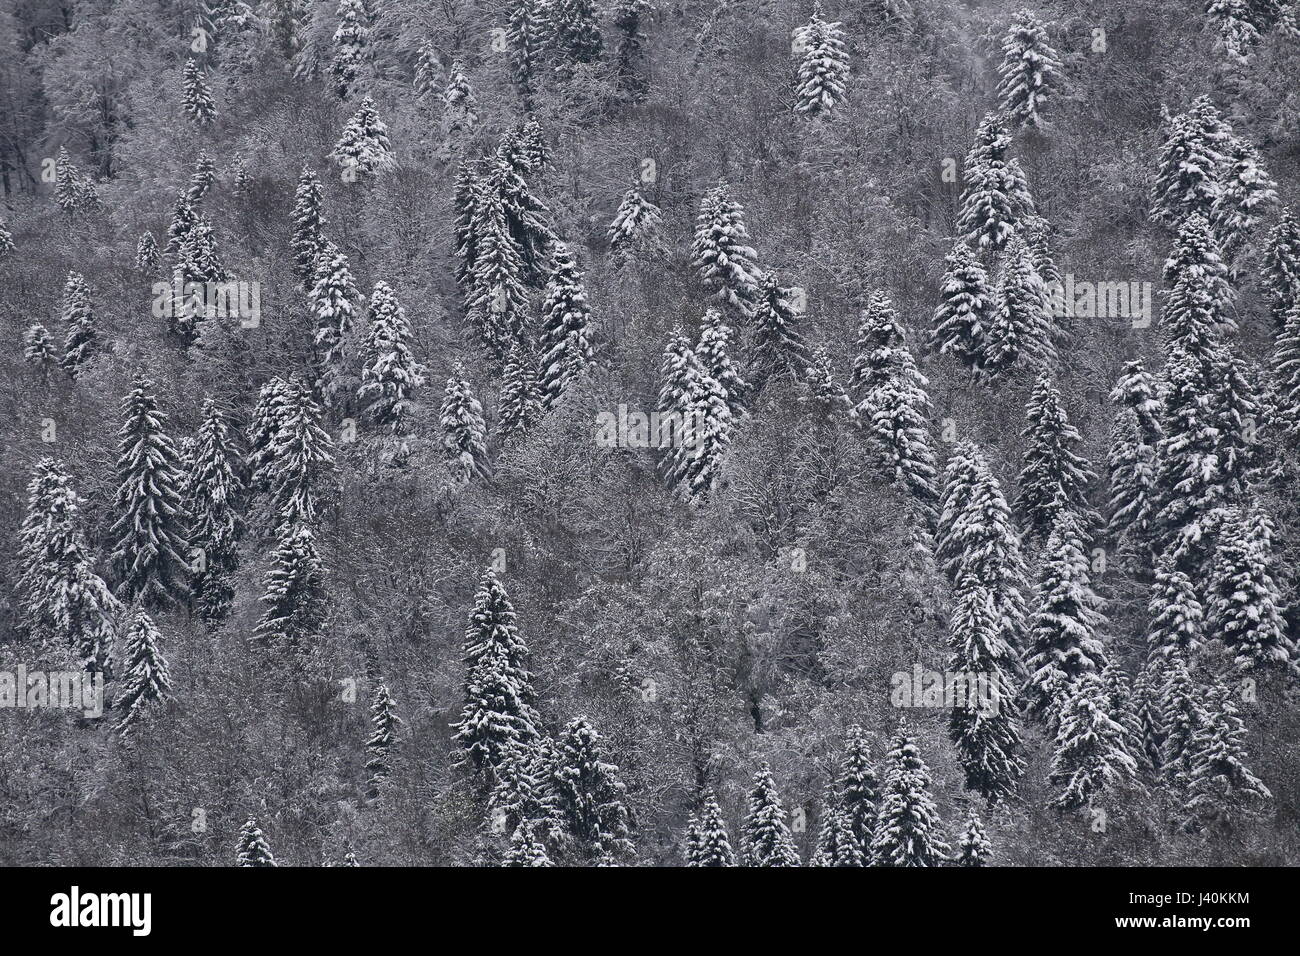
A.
x: 973, y: 847
x: 574, y: 31
x: 6, y: 241
x: 1187, y: 171
x: 589, y: 795
x: 1246, y: 193
x: 521, y: 793
x: 985, y: 731
x: 1091, y: 758
x: 836, y: 843
x: 380, y: 744
x: 145, y: 684
x: 1182, y: 715
x: 995, y: 196
x: 294, y: 594
x: 1244, y: 614
x: 269, y: 416
x: 39, y: 350
x: 308, y: 225
x: 1280, y: 267
x: 350, y: 42
x: 709, y: 425
x: 1197, y: 278
x: 859, y: 790
x: 149, y: 545
x: 333, y: 304
x: 520, y: 403
x: 1037, y: 233
x: 627, y: 18
x: 78, y: 317
x: 67, y: 182
x: 1020, y: 328
x: 499, y: 702
x: 965, y: 305
x: 363, y: 149
x: 460, y: 109
x: 497, y: 301
x: 823, y: 391
x: 203, y: 178
x: 1220, y: 785
x: 711, y: 846
x: 301, y: 454
x: 389, y: 373
x: 907, y: 827
x: 636, y: 225
x: 1286, y: 375
x: 526, y: 35
x: 525, y: 215
x: 200, y: 108
x: 713, y: 351
x: 566, y: 320
x: 146, y: 255
x: 1146, y: 705
x: 184, y: 215
x: 765, y: 835
x: 1053, y: 476
x: 213, y: 490
x: 1175, y: 612
x: 464, y: 433
x: 428, y: 69
x: 823, y: 65
x: 1132, y: 457
x: 525, y: 848
x: 778, y: 346
x: 720, y: 251
x: 252, y: 849
x: 1029, y: 70
x: 1063, y: 641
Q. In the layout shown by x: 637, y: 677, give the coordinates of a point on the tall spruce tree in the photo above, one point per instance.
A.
x: 213, y: 495
x: 859, y: 790
x: 711, y: 846
x: 1220, y: 787
x: 252, y: 848
x: 389, y: 373
x: 382, y: 741
x: 636, y: 226
x: 294, y: 596
x: 836, y: 843
x: 520, y: 403
x: 1029, y: 70
x: 765, y: 835
x: 1244, y: 613
x: 1020, y: 329
x: 308, y: 238
x: 464, y: 433
x: 823, y: 65
x: 720, y: 251
x: 566, y: 319
x: 973, y: 847
x: 78, y: 317
x: 1053, y: 476
x: 1280, y: 266
x: 145, y: 684
x: 778, y: 346
x: 1091, y: 758
x: 363, y: 149
x: 589, y: 795
x: 351, y: 40
x: 196, y: 96
x: 961, y: 320
x: 995, y: 196
x: 908, y: 830
x: 1131, y: 460
x: 301, y: 454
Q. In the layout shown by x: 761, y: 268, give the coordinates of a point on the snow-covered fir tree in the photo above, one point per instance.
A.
x: 1053, y: 476
x: 589, y: 795
x: 496, y: 299
x: 149, y: 544
x: 1220, y: 787
x: 973, y: 847
x: 574, y: 33
x: 459, y: 107
x: 1244, y: 609
x: 1131, y: 461
x: 1091, y: 758
x: 213, y: 493
x: 995, y: 196
x: 333, y: 301
x: 1182, y: 715
x: 363, y: 149
x: 301, y: 454
x: 822, y: 390
x: 203, y: 178
x: 1029, y: 70
x: 464, y: 433
x: 778, y: 345
x: 565, y: 328
x: 269, y: 415
x: 520, y: 403
x: 39, y: 350
x: 714, y: 352
x: 527, y: 35
x: 711, y: 846
x: 908, y: 830
x: 525, y: 848
x: 525, y: 214
x: 985, y: 730
x: 1063, y: 638
x: 294, y: 594
x: 636, y: 225
x: 1020, y: 329
x: 499, y: 701
x: 184, y: 215
x: 146, y: 255
x: 823, y: 65
x: 1187, y: 169
x: 859, y: 790
x: 765, y: 836
x: 1177, y: 618
x: 628, y: 17
x: 6, y: 241
x: 720, y: 251
x: 351, y: 40
x: 382, y: 741
x: 389, y: 373
x: 1246, y: 193
x: 196, y: 97
x: 78, y: 317
x: 1280, y: 266
x: 144, y: 682
x: 708, y: 427
x: 308, y: 238
x: 836, y: 843
x: 965, y: 304
x: 252, y: 848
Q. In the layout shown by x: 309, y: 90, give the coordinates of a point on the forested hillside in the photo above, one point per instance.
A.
x: 637, y: 432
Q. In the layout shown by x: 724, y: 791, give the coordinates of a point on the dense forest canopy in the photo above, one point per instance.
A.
x: 635, y: 432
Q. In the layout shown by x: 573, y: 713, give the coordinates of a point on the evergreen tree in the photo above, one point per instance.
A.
x: 711, y: 846
x: 575, y: 34
x: 333, y: 305
x: 460, y: 109
x: 985, y: 732
x: 961, y: 321
x: 1244, y: 614
x: 6, y: 241
x: 389, y: 373
x: 709, y: 427
x: 907, y: 828
x: 973, y: 847
x: 1280, y: 267
x: 149, y: 545
x: 212, y: 494
x: 1286, y: 375
x: 295, y: 594
x: 713, y: 351
x: 566, y: 319
x: 859, y: 790
x: 1199, y: 293
x: 464, y: 434
x: 200, y: 108
x: 1132, y: 457
x: 720, y: 250
x: 636, y: 225
x: 497, y: 301
x: 823, y: 391
x: 995, y: 196
x: 380, y: 744
x: 269, y: 415
x: 203, y: 178
x: 1053, y: 476
x: 525, y: 848
x: 350, y: 42
x: 1029, y: 70
x: 308, y: 225
x: 184, y: 215
x: 778, y: 346
x: 145, y: 684
x: 765, y: 835
x: 1146, y: 705
x: 589, y: 794
x: 1019, y: 328
x: 1091, y: 757
x: 301, y: 454
x: 499, y: 702
x: 79, y: 319
x: 526, y: 35
x: 363, y: 149
x: 1187, y: 171
x: 836, y: 843
x: 1175, y: 612
x: 1037, y: 233
x: 146, y: 255
x: 1182, y: 716
x: 1220, y: 785
x: 521, y: 402
x: 252, y: 849
x: 525, y: 215
x: 1063, y: 640
x: 628, y: 17
x: 823, y: 65
x: 1246, y: 193
x: 39, y: 350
